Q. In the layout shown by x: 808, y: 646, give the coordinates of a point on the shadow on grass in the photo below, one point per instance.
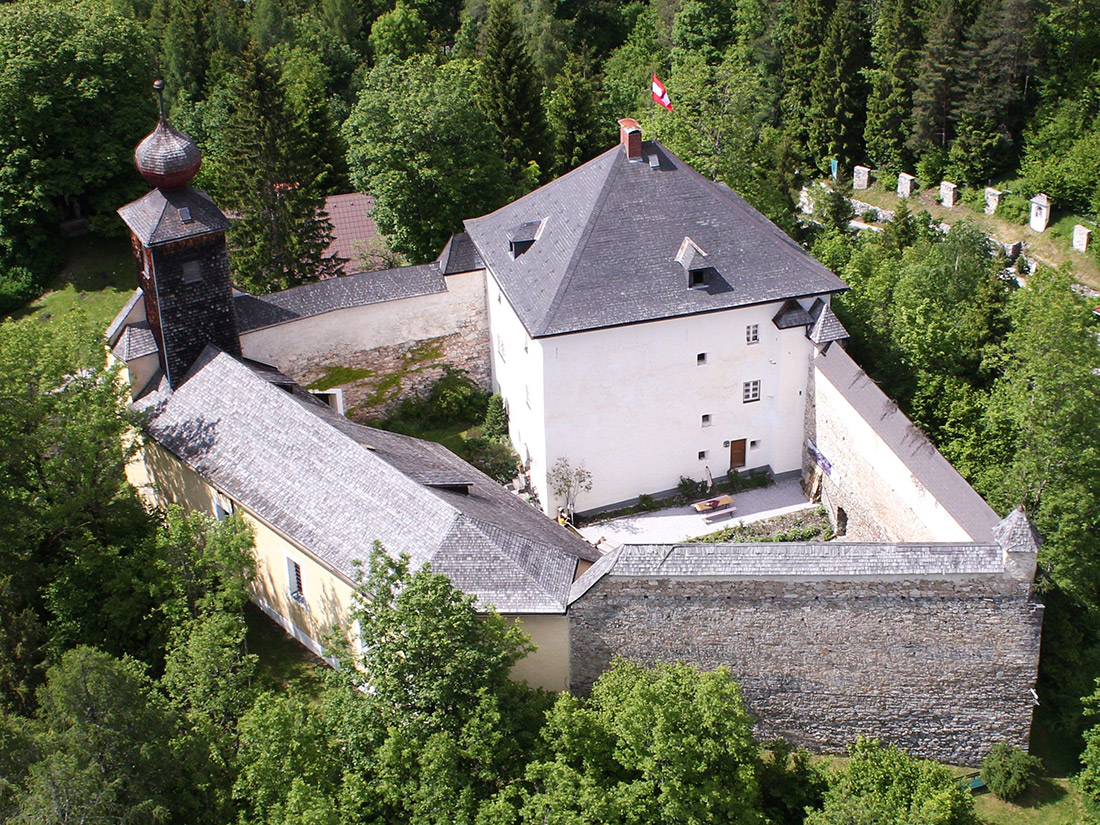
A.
x: 283, y: 663
x: 1044, y: 792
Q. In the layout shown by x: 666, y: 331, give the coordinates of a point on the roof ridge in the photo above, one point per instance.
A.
x: 487, y: 529
x: 589, y: 226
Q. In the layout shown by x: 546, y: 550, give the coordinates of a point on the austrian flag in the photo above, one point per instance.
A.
x: 660, y: 94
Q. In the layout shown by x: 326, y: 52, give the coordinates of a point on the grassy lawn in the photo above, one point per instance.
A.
x: 98, y: 278
x: 284, y: 664
x: 1053, y: 247
x: 1051, y: 802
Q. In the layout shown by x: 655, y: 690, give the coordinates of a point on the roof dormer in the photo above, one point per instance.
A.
x: 523, y: 237
x: 694, y: 262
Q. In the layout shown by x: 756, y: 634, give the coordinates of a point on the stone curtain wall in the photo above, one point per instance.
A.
x: 942, y: 668
x: 887, y: 477
x: 384, y: 351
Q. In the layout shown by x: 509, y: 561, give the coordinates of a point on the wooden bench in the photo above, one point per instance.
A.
x: 714, y: 515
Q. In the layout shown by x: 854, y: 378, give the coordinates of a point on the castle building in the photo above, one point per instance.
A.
x: 646, y: 322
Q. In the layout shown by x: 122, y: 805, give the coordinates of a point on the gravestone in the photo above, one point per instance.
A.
x: 1040, y: 212
x: 905, y: 185
x: 948, y: 192
x: 861, y: 177
x: 992, y: 199
x: 1081, y: 237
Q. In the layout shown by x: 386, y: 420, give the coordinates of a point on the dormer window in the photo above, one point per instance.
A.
x: 523, y: 237
x: 694, y: 261
x: 192, y: 272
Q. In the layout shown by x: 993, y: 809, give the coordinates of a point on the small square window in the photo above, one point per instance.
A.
x: 192, y: 272
x: 752, y: 334
x: 750, y: 391
x: 754, y: 444
x: 701, y: 358
x: 706, y: 420
x: 702, y: 455
x: 697, y: 278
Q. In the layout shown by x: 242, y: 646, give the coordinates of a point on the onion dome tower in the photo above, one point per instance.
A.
x: 178, y: 236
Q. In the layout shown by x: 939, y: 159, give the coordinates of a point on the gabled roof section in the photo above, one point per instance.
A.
x: 333, y: 487
x: 136, y: 341
x: 163, y: 216
x: 259, y: 311
x: 125, y: 315
x: 827, y: 326
x: 460, y: 255
x: 791, y: 314
x: 605, y: 255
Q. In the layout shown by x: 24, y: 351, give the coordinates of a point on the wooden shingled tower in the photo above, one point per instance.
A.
x: 178, y: 236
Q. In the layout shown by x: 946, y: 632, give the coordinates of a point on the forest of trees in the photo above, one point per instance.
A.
x: 446, y: 110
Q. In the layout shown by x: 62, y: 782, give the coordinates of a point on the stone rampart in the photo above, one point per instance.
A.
x: 942, y: 667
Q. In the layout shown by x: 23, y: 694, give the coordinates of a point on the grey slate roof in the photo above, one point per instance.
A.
x: 606, y: 254
x: 460, y: 255
x: 137, y: 340
x: 791, y: 314
x: 827, y: 326
x: 1017, y: 534
x: 156, y: 219
x: 260, y: 311
x: 116, y: 326
x: 922, y: 459
x: 771, y: 560
x: 333, y: 487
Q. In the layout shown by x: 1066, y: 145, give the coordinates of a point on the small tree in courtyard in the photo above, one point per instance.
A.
x: 567, y: 481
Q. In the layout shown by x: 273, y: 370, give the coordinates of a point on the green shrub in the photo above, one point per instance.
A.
x: 17, y: 286
x: 495, y: 426
x: 1014, y: 207
x: 496, y: 460
x: 455, y: 397
x: 1008, y: 771
x: 691, y: 489
x: 646, y: 503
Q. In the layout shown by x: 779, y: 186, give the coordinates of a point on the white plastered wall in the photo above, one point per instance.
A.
x: 629, y: 401
x: 294, y: 345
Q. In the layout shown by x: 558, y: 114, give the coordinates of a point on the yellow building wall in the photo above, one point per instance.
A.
x: 164, y: 479
x: 548, y: 666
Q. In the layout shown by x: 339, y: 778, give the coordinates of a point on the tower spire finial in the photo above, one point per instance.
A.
x: 158, y: 87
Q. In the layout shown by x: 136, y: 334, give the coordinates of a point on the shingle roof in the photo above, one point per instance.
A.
x: 334, y: 487
x: 827, y: 326
x: 156, y: 218
x: 116, y: 327
x: 1016, y: 533
x: 771, y: 560
x: 605, y: 255
x: 919, y: 455
x: 791, y: 314
x: 460, y: 255
x: 259, y: 311
x: 353, y: 229
x: 137, y: 340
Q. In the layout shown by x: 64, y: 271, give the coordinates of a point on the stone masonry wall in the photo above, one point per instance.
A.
x: 384, y: 352
x: 942, y: 668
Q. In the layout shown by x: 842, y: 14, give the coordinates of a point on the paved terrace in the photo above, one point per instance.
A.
x: 678, y: 523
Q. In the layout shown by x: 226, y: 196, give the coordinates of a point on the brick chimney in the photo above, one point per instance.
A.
x: 630, y: 135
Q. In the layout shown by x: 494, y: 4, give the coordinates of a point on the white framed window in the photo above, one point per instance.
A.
x: 706, y: 420
x: 294, y: 581
x: 702, y: 455
x: 701, y: 359
x: 223, y: 507
x: 754, y: 445
x: 500, y: 346
x: 752, y: 334
x: 334, y: 398
x: 750, y: 391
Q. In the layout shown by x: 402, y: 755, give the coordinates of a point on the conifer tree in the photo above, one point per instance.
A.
x: 264, y: 163
x: 510, y: 96
x: 838, y: 92
x: 801, y: 47
x: 935, y: 96
x: 895, y: 47
x: 574, y: 117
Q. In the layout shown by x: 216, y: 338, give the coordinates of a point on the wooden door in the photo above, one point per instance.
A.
x: 737, y: 454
